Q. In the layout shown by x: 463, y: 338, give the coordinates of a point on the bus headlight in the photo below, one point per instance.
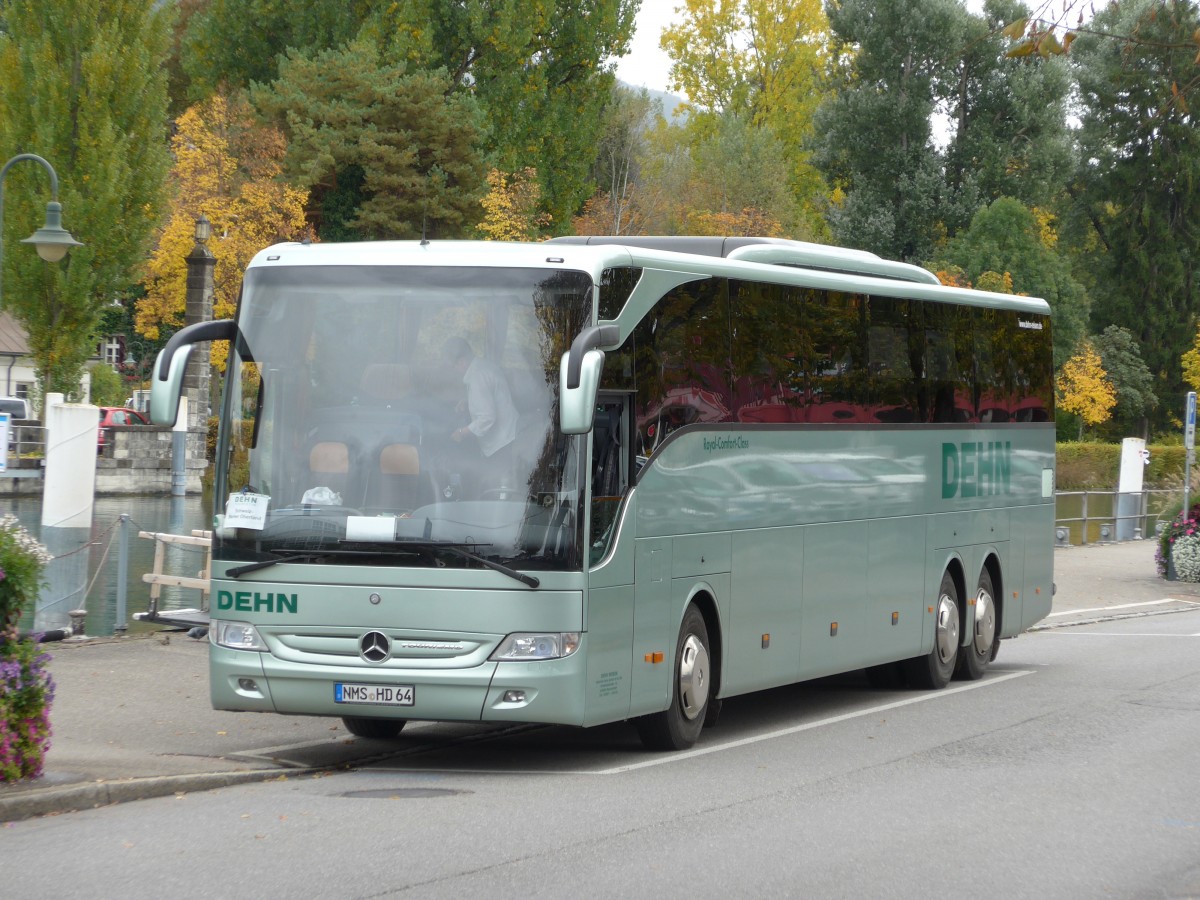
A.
x: 522, y: 646
x: 235, y: 635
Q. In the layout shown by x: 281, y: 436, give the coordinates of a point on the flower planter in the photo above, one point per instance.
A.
x: 26, y: 692
x: 26, y: 689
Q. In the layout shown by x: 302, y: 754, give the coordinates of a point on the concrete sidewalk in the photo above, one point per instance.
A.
x: 132, y: 720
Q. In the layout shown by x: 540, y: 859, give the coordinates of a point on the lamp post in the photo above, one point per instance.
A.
x: 198, y: 308
x: 51, y: 240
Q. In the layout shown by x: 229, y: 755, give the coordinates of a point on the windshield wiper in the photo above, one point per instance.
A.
x: 468, y: 555
x: 239, y: 571
x: 402, y: 546
x: 295, y: 556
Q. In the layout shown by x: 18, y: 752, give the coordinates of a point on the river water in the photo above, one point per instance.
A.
x: 84, y: 573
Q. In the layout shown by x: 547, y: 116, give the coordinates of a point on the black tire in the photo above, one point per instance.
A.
x: 973, y: 659
x: 935, y: 669
x: 379, y: 729
x: 679, y: 725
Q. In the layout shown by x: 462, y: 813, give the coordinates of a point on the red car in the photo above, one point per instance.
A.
x: 116, y: 415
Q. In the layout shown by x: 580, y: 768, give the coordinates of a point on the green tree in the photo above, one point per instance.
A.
x: 385, y: 153
x: 1009, y: 120
x: 875, y: 144
x: 108, y: 388
x: 231, y: 43
x: 92, y: 83
x: 538, y: 71
x: 1005, y: 237
x: 1129, y: 376
x: 1138, y: 185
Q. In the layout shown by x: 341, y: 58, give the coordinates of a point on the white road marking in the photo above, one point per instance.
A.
x: 1134, y: 634
x: 1101, y: 609
x: 666, y: 759
x: 808, y: 726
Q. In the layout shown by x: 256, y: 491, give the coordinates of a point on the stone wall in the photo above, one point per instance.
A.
x: 136, y: 460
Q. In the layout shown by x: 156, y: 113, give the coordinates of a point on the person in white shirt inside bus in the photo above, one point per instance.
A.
x: 493, y: 416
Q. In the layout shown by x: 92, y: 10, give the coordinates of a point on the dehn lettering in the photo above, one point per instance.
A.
x: 253, y: 601
x: 976, y: 469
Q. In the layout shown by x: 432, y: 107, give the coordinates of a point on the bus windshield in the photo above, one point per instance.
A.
x: 401, y: 414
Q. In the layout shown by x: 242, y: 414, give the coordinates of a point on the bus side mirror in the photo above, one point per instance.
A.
x: 164, y: 395
x: 577, y: 405
x: 166, y: 379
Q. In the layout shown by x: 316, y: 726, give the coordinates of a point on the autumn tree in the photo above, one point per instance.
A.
x: 510, y: 207
x: 614, y: 209
x: 764, y: 61
x: 735, y: 170
x: 386, y: 153
x: 91, y: 83
x: 227, y: 168
x: 1084, y: 389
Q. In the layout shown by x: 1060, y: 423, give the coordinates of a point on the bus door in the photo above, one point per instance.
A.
x: 610, y: 599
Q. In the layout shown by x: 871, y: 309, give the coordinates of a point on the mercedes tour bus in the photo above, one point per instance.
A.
x: 726, y: 464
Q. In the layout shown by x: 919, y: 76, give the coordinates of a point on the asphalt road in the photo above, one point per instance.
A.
x: 1069, y: 771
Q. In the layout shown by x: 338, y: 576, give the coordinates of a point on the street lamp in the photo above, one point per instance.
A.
x: 51, y: 240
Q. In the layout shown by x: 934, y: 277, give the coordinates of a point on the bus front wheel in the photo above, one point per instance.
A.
x: 935, y: 669
x: 678, y: 727
x: 973, y: 659
x: 373, y: 728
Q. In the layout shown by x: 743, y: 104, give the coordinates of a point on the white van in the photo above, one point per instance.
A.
x: 16, y: 407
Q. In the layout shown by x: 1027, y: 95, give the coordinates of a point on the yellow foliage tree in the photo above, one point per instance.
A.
x: 763, y: 58
x: 600, y: 213
x: 510, y: 207
x: 226, y: 168
x: 1191, y: 364
x: 1084, y: 388
x: 996, y: 282
x: 750, y: 222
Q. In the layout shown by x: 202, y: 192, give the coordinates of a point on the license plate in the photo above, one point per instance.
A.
x: 375, y: 694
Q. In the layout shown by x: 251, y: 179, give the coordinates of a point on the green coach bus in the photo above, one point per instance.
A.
x: 605, y: 479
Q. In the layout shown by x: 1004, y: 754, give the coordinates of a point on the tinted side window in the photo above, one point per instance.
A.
x: 682, y: 361
x: 834, y: 356
x: 767, y: 352
x: 949, y: 362
x: 615, y: 287
x: 896, y: 350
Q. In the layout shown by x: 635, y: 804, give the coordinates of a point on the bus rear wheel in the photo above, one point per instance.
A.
x: 678, y: 727
x: 935, y: 669
x: 973, y: 659
x: 373, y: 728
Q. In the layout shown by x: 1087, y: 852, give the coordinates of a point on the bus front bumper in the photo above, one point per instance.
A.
x: 546, y: 691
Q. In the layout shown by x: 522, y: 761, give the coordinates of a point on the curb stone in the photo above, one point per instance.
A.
x: 91, y: 795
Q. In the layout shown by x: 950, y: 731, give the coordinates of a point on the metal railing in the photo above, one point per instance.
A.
x: 1089, y: 517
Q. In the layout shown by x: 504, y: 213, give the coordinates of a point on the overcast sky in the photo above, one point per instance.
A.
x: 646, y: 65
